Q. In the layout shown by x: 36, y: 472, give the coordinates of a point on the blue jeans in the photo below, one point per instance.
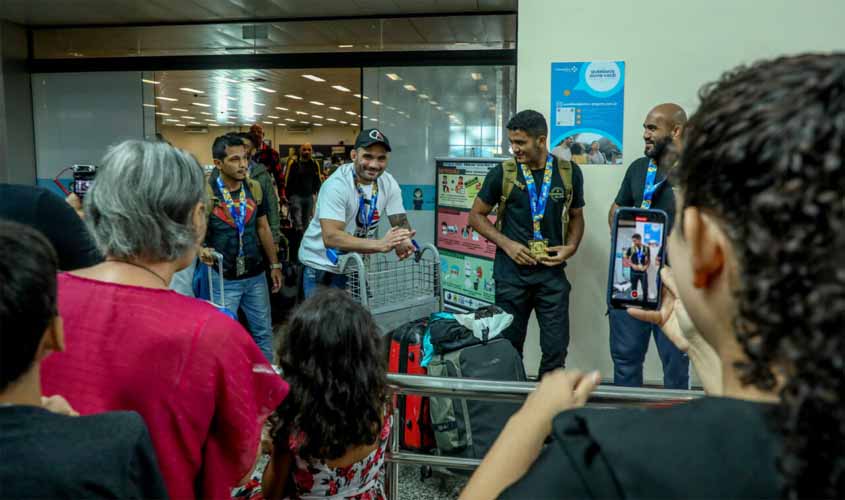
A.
x: 312, y: 279
x: 629, y: 340
x: 253, y: 296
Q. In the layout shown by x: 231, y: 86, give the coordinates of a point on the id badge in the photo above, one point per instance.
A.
x: 240, y: 265
x: 538, y: 248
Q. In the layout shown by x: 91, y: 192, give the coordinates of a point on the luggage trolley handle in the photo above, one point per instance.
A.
x: 218, y: 258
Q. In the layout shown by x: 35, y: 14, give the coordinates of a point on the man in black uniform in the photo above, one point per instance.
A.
x: 629, y: 337
x: 540, y: 225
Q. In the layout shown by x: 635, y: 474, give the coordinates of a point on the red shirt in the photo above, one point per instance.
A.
x: 196, y: 376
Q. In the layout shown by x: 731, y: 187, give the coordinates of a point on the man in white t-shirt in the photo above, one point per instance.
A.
x: 349, y: 209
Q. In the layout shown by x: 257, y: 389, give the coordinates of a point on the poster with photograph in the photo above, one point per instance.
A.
x: 467, y: 276
x: 460, y: 180
x: 454, y: 233
x: 587, y: 104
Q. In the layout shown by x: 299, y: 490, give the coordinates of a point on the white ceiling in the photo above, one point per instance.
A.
x: 89, y: 12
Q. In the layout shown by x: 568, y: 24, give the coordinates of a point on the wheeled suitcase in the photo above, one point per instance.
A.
x: 414, y: 424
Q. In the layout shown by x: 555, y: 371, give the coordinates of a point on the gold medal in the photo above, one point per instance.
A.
x: 538, y: 248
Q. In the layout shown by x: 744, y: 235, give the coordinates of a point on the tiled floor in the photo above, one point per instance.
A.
x: 439, y: 486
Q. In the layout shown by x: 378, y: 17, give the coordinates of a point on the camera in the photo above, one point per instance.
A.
x: 83, y: 179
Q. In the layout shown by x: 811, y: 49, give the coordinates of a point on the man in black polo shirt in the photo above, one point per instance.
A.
x: 629, y: 337
x: 527, y: 279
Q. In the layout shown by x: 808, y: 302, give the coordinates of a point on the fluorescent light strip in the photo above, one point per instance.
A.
x: 302, y: 113
x: 289, y: 120
x: 188, y: 117
x: 345, y: 46
x: 267, y: 123
x: 151, y: 82
x: 180, y: 109
x: 265, y: 89
x: 316, y: 103
x: 206, y: 113
x: 313, y: 78
x: 343, y: 122
x: 393, y: 76
x: 200, y: 104
x: 331, y: 119
x: 171, y: 120
x: 281, y: 108
x: 195, y: 123
x: 159, y: 113
x: 274, y: 117
x: 351, y: 113
x: 335, y: 108
x: 318, y: 124
x: 231, y: 98
x: 423, y: 96
x: 191, y: 91
x: 168, y: 99
x: 317, y: 116
x: 341, y: 88
x: 475, y: 76
x: 377, y: 103
x: 259, y: 103
x: 149, y: 105
x: 291, y: 96
x: 180, y: 124
x: 410, y: 87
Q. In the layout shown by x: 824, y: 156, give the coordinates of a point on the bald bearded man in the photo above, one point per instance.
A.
x: 629, y: 338
x: 302, y: 183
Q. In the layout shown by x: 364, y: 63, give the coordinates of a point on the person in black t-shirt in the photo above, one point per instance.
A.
x: 629, y: 337
x: 523, y: 281
x: 302, y: 183
x: 48, y: 451
x: 640, y: 257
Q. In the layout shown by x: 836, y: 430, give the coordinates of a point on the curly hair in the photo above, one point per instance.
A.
x: 332, y: 357
x: 765, y: 155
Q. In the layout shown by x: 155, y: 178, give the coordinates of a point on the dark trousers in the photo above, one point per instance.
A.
x: 629, y: 340
x: 301, y: 211
x: 550, y: 301
x: 642, y: 278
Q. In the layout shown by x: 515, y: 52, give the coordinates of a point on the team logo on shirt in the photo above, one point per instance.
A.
x: 557, y: 194
x: 359, y: 226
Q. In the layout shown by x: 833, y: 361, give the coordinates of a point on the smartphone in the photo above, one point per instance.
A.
x: 83, y: 179
x: 637, y: 255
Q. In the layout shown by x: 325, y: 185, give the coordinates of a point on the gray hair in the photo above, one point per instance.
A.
x: 142, y: 202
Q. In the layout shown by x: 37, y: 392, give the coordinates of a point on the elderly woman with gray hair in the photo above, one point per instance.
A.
x: 196, y: 377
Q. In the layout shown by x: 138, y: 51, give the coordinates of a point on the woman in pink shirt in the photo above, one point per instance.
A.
x: 198, y: 379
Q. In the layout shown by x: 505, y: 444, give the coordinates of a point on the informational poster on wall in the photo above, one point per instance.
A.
x: 466, y: 256
x: 587, y: 104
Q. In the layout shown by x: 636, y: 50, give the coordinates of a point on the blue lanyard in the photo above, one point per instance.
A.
x: 538, y: 201
x: 238, y: 215
x: 650, y: 186
x: 365, y: 215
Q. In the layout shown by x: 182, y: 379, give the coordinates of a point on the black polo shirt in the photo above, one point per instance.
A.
x: 631, y: 191
x: 517, y: 224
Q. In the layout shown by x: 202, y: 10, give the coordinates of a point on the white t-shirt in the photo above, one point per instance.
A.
x: 339, y: 200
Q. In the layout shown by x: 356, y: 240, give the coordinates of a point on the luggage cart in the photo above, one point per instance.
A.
x: 394, y: 291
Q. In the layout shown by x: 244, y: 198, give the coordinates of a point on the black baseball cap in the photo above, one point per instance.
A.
x: 371, y: 136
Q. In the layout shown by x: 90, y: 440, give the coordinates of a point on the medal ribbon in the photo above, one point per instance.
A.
x: 650, y: 186
x: 366, y: 208
x: 238, y: 213
x: 538, y: 200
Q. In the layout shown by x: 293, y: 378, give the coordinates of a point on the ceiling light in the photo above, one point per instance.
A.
x: 149, y: 105
x: 210, y: 120
x: 365, y: 116
x: 423, y: 96
x: 291, y: 96
x: 230, y: 80
x: 200, y: 104
x: 316, y: 103
x: 340, y: 88
x: 302, y: 113
x: 168, y: 99
x: 318, y: 124
x: 306, y: 123
x: 188, y: 117
x: 273, y: 117
x: 265, y: 89
x: 159, y: 113
x: 258, y: 103
x: 475, y: 76
x: 281, y: 124
x: 195, y: 123
x: 433, y: 103
x: 317, y: 116
x: 171, y: 120
x: 373, y: 119
x: 180, y: 109
x: 335, y: 108
x: 440, y: 108
x: 281, y: 108
x: 393, y: 76
x: 151, y: 82
x: 377, y: 103
x: 180, y: 124
x: 410, y: 87
x: 191, y: 91
x: 267, y: 123
x: 343, y: 122
x: 353, y: 124
x: 331, y: 119
x: 206, y: 113
x: 289, y: 120
x: 345, y: 46
x: 213, y: 125
x: 483, y: 88
x: 231, y: 98
x: 351, y: 113
x: 313, y: 78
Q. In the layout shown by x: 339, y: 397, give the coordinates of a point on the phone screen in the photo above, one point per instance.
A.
x: 639, y: 241
x: 81, y: 186
x: 83, y: 179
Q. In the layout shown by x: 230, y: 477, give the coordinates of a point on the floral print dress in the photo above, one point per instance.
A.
x: 362, y: 480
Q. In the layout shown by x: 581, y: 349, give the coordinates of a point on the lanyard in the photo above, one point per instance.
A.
x: 365, y: 214
x: 538, y: 200
x: 238, y: 214
x: 650, y: 186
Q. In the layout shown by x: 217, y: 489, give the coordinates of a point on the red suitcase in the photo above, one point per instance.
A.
x: 415, y: 432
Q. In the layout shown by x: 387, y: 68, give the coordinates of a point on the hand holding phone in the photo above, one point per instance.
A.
x: 83, y: 179
x: 636, y: 257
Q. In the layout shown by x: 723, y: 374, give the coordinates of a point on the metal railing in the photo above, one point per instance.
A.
x: 495, y: 390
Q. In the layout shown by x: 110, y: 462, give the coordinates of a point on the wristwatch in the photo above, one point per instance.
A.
x: 275, y: 266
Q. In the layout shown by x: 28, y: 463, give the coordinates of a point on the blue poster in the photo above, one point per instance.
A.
x: 588, y: 100
x: 417, y: 196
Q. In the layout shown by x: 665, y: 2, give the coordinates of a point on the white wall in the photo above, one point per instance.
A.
x: 670, y: 49
x: 200, y: 144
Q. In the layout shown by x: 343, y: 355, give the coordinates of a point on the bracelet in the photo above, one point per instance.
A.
x: 275, y: 266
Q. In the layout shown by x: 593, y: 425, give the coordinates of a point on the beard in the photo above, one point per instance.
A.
x: 659, y: 148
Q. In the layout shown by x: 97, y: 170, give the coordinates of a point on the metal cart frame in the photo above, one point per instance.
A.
x: 395, y: 292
